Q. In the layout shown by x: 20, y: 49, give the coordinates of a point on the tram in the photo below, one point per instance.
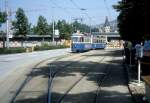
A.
x: 80, y: 42
x: 99, y: 41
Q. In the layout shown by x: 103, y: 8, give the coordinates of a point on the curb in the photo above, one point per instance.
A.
x: 136, y: 96
x: 127, y: 76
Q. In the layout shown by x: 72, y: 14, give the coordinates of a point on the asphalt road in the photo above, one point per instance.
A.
x: 80, y: 80
x: 12, y: 62
x: 15, y: 67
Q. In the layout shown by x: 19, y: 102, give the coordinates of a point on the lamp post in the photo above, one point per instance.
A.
x: 7, y: 23
x: 53, y: 25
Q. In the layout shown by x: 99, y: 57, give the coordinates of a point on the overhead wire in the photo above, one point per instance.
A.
x: 75, y: 4
x: 62, y: 8
x: 107, y: 9
x: 1, y: 5
x: 81, y: 9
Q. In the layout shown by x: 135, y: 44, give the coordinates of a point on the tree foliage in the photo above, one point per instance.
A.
x: 81, y: 27
x: 42, y: 27
x: 64, y: 28
x: 94, y: 30
x: 3, y: 17
x: 21, y: 25
x: 133, y: 20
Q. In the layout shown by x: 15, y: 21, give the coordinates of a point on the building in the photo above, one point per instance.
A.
x: 107, y: 27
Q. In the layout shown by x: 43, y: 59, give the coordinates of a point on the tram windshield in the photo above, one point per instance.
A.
x: 99, y: 39
x: 77, y: 39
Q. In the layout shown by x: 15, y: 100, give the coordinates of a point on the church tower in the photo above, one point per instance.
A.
x: 107, y: 27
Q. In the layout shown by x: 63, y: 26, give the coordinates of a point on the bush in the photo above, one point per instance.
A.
x: 11, y: 50
x: 36, y: 48
x: 47, y: 47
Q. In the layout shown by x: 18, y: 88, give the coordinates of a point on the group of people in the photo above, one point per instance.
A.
x: 132, y: 51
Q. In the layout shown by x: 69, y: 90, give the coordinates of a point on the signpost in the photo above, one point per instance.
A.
x: 56, y: 33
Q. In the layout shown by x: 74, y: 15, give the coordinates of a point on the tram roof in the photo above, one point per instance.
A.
x: 77, y: 34
x: 110, y: 34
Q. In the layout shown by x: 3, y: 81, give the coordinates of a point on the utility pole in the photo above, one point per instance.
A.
x: 7, y: 23
x: 90, y: 25
x: 76, y: 19
x: 53, y: 39
x: 90, y: 19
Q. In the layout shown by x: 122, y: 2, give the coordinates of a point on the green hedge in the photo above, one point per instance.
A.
x: 46, y: 47
x: 11, y: 50
x: 36, y: 48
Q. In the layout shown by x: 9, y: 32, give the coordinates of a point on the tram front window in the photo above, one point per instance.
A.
x: 75, y: 39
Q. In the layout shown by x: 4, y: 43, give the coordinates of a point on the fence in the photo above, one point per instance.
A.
x: 30, y: 44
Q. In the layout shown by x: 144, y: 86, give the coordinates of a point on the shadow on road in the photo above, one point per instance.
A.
x: 82, y: 68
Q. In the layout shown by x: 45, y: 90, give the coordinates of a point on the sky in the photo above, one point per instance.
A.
x: 91, y: 11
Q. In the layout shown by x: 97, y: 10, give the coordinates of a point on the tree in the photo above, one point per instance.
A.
x: 81, y: 27
x: 21, y: 25
x: 65, y: 29
x: 95, y: 29
x: 33, y: 30
x: 3, y: 17
x: 42, y: 27
x: 133, y: 19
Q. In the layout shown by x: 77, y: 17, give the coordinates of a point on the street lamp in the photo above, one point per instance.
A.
x: 7, y: 24
x: 53, y: 25
x: 82, y: 9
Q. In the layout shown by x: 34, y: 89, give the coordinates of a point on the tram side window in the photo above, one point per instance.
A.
x: 75, y: 39
x: 103, y: 40
x: 94, y: 40
x: 81, y: 39
x: 87, y: 39
x: 97, y: 41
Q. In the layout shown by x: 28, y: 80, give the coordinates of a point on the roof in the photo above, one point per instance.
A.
x: 106, y: 22
x: 77, y: 34
x: 110, y: 34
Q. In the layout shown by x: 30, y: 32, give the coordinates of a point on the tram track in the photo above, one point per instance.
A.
x: 52, y: 76
x: 102, y: 79
x: 29, y: 77
x: 60, y: 99
x: 63, y: 69
x: 103, y: 85
x: 70, y: 97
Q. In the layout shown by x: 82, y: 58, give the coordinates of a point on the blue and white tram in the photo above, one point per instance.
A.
x: 80, y: 43
x: 99, y: 41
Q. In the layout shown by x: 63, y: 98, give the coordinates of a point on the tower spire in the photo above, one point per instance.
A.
x: 107, y: 27
x: 106, y: 22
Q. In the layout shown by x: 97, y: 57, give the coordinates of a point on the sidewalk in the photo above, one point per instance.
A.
x: 138, y: 92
